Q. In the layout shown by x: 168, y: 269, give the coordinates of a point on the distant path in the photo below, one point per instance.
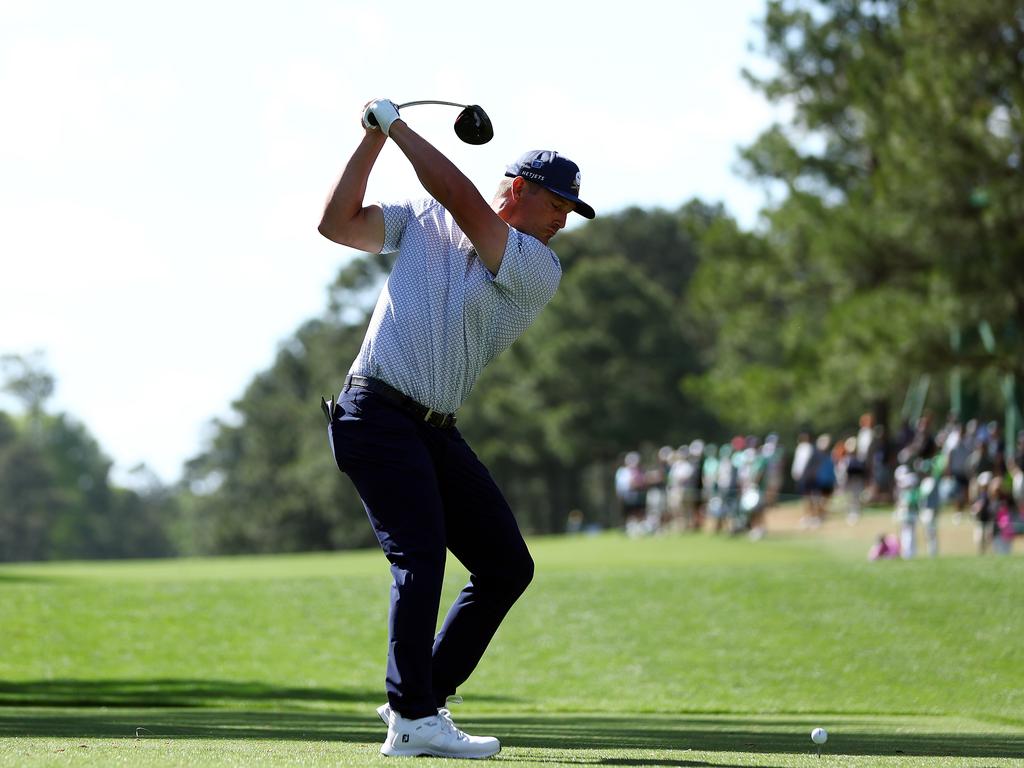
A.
x: 954, y: 539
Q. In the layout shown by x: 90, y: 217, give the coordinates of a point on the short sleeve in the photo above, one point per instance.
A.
x: 530, y: 271
x: 396, y: 217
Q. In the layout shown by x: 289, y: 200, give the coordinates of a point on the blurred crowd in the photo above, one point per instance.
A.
x: 921, y: 471
x: 724, y: 488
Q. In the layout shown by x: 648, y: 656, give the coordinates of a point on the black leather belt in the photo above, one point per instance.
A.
x: 402, y: 400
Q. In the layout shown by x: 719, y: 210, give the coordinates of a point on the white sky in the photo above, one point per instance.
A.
x: 163, y: 166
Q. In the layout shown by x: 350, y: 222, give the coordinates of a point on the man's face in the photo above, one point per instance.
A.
x: 539, y: 212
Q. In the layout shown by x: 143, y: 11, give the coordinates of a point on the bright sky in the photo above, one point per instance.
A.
x: 163, y: 166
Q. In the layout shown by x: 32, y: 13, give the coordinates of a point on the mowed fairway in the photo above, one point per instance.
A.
x: 673, y: 650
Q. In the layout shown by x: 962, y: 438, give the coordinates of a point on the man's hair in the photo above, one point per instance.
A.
x: 505, y: 186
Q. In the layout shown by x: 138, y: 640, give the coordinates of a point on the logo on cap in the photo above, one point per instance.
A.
x: 576, y: 183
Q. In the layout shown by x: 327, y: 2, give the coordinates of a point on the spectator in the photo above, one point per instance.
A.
x: 1004, y: 515
x: 1003, y: 533
x: 630, y: 488
x: 855, y: 475
x: 908, y: 487
x: 879, y: 479
x: 931, y: 499
x: 957, y: 448
x: 801, y: 456
x: 983, y: 510
x: 798, y: 470
x: 865, y: 437
x: 678, y: 472
x: 886, y: 547
x: 921, y: 443
x: 685, y: 485
x: 712, y: 499
x: 656, y: 483
x: 729, y: 482
x: 754, y: 487
x: 1017, y: 476
x: 985, y: 454
x: 867, y: 445
x: 725, y: 489
x: 820, y: 480
x: 693, y: 490
x: 775, y: 455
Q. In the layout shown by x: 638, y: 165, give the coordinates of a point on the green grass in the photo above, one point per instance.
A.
x: 679, y: 651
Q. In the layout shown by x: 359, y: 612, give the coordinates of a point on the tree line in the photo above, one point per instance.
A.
x: 889, y: 259
x: 57, y: 500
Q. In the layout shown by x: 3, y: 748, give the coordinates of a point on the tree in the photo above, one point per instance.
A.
x: 268, y: 483
x: 28, y: 501
x: 26, y: 378
x: 56, y: 498
x: 901, y: 218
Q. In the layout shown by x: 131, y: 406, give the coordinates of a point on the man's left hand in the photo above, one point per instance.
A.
x: 380, y: 114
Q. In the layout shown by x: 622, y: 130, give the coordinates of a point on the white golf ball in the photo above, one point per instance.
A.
x: 819, y: 735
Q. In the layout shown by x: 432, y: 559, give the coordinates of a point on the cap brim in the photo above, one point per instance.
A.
x: 581, y: 208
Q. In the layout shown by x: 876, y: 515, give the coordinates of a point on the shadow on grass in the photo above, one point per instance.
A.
x: 585, y: 736
x: 202, y: 723
x: 166, y: 693
x: 25, y: 578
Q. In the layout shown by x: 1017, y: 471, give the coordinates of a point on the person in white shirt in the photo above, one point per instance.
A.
x: 469, y: 278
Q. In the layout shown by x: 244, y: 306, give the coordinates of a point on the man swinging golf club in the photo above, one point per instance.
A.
x: 468, y: 280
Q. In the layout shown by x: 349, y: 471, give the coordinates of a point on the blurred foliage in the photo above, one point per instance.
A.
x: 900, y: 222
x: 56, y: 497
x: 268, y: 483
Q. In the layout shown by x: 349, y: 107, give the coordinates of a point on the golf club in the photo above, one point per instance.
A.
x: 472, y: 125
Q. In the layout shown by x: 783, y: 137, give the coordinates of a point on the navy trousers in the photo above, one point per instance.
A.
x: 425, y: 491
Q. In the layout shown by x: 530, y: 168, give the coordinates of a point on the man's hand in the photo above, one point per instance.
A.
x: 379, y: 115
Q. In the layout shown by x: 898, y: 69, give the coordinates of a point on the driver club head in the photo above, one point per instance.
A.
x: 473, y: 125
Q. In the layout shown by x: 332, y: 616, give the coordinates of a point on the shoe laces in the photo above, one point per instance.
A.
x: 447, y: 724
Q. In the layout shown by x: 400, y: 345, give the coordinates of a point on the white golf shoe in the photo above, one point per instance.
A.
x: 436, y: 736
x: 384, y: 710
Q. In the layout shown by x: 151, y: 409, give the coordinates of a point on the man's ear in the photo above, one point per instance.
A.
x: 518, y: 187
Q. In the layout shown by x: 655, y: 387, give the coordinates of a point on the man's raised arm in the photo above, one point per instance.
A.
x: 346, y: 220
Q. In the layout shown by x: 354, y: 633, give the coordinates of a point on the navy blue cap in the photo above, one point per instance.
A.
x: 553, y: 172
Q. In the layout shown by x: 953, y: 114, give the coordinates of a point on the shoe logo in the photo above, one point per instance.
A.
x: 405, y: 738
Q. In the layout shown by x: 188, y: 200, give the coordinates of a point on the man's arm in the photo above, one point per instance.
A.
x: 346, y: 220
x: 450, y: 187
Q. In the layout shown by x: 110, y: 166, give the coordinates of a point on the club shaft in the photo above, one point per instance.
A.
x: 429, y: 101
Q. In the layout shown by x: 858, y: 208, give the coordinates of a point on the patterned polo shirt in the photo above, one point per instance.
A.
x: 442, y: 316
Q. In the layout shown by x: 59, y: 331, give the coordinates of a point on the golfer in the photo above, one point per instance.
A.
x: 468, y: 279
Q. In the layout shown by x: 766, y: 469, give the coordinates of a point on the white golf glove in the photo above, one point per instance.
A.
x: 380, y: 114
